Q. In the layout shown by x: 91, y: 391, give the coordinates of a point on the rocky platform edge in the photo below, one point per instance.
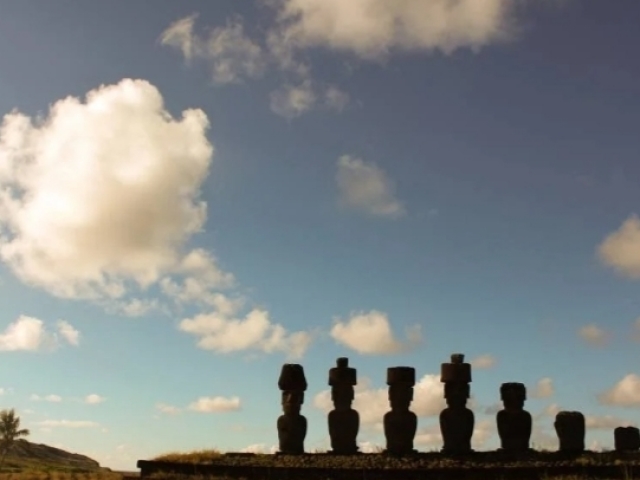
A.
x: 480, y: 465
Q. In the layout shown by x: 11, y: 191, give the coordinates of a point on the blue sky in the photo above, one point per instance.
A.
x: 193, y: 194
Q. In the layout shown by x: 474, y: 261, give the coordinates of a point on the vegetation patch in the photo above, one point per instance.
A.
x: 420, y: 461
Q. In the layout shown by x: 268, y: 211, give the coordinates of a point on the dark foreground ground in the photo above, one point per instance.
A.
x: 431, y: 466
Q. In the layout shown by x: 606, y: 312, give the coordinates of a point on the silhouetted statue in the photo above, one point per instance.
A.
x: 344, y: 421
x: 626, y: 439
x: 400, y: 423
x: 570, y: 428
x: 292, y: 427
x: 456, y: 421
x: 514, y: 423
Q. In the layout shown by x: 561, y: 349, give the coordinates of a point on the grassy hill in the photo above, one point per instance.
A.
x: 36, y: 456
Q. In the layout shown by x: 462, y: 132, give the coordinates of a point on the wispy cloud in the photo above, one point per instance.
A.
x: 543, y: 389
x: 46, y: 398
x: 366, y: 187
x: 68, y: 424
x: 168, y: 409
x: 594, y: 335
x: 483, y: 361
x: 69, y: 332
x: 369, y: 29
x: 215, y: 404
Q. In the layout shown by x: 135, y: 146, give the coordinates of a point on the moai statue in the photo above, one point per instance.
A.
x: 514, y: 423
x: 626, y: 439
x: 456, y: 421
x: 570, y: 428
x: 400, y: 423
x: 292, y: 427
x: 344, y: 421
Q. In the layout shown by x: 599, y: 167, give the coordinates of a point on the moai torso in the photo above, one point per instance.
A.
x: 292, y: 430
x: 400, y: 424
x: 456, y: 426
x: 514, y: 423
x: 343, y: 430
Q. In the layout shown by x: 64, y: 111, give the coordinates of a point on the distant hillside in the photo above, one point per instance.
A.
x: 27, y: 455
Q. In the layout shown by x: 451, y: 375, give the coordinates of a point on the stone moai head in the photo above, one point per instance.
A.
x: 456, y: 394
x: 570, y: 428
x: 293, y: 384
x: 456, y: 376
x: 626, y: 439
x: 342, y: 379
x: 401, y: 381
x: 513, y: 395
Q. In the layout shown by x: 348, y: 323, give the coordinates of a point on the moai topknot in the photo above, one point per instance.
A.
x: 456, y: 421
x: 344, y: 421
x: 292, y: 427
x: 570, y: 428
x: 626, y: 439
x: 400, y: 423
x: 514, y: 423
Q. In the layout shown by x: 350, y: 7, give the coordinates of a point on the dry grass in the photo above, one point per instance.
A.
x: 195, y: 456
x: 60, y: 475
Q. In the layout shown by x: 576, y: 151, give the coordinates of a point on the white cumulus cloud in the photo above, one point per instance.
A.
x: 215, y: 404
x: 625, y: 393
x: 370, y: 334
x: 621, y: 249
x: 366, y: 187
x: 373, y: 28
x: 222, y: 332
x: 101, y: 192
x: 98, y: 201
x: 26, y: 333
